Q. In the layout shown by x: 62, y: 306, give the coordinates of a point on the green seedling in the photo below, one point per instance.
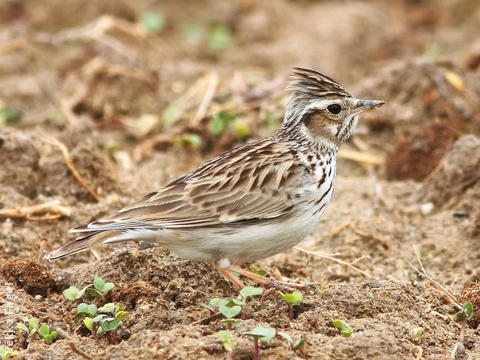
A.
x: 32, y: 326
x: 258, y: 271
x: 9, y: 116
x: 294, y: 344
x: 295, y: 298
x: 344, y: 327
x: 222, y: 121
x: 227, y: 307
x: 465, y: 313
x: 99, y: 287
x: 250, y: 291
x: 84, y: 310
x: 228, y: 341
x: 43, y: 330
x: 152, y: 22
x: 49, y: 336
x: 220, y: 38
x: 261, y: 334
x: 5, y: 352
x: 103, y: 323
x: 415, y: 333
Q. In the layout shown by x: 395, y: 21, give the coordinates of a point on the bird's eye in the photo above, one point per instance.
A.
x: 334, y: 109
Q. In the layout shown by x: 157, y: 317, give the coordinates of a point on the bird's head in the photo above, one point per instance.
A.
x: 321, y: 109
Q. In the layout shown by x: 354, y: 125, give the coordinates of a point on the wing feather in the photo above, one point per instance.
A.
x: 227, y: 189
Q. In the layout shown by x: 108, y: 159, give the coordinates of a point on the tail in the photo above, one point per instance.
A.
x: 104, y: 232
x: 80, y: 244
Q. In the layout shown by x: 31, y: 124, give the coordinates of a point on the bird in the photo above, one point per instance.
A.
x: 256, y: 200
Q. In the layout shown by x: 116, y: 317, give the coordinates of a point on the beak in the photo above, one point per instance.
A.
x: 363, y: 105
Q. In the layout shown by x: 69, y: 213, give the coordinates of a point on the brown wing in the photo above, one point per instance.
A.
x: 245, y: 184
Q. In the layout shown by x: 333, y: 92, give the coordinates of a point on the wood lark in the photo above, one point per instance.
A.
x: 252, y: 202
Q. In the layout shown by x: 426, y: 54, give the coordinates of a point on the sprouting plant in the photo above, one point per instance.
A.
x: 344, y: 327
x: 5, y: 352
x: 227, y: 307
x: 231, y: 322
x: 258, y: 271
x: 49, y: 336
x: 32, y: 326
x: 222, y: 121
x: 294, y: 344
x: 261, y: 334
x: 99, y: 287
x: 416, y: 333
x: 465, y: 313
x: 110, y: 318
x: 43, y: 330
x: 228, y: 340
x: 220, y: 38
x: 462, y: 316
x: 250, y: 291
x: 295, y: 298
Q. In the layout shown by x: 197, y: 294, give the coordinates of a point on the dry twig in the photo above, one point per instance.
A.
x: 331, y: 258
x: 423, y: 273
x: 361, y: 157
x: 70, y: 165
x: 41, y: 212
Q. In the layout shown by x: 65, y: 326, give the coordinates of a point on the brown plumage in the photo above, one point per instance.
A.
x: 252, y: 202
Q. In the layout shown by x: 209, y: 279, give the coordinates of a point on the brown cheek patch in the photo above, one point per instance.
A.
x: 318, y: 124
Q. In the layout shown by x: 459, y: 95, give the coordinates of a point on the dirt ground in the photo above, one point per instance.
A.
x: 83, y: 83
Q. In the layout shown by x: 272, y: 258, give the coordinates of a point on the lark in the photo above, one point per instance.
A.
x: 255, y: 201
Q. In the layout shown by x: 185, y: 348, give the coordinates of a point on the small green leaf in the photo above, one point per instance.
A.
x: 88, y: 323
x: 99, y: 330
x: 98, y: 318
x: 250, y: 291
x: 95, y: 293
x: 465, y: 313
x: 220, y: 38
x: 72, y: 293
x: 286, y: 336
x: 44, y: 330
x: 242, y: 130
x: 101, y: 285
x: 295, y: 298
x: 468, y: 309
x: 121, y: 315
x: 22, y: 326
x: 90, y: 309
x: 262, y: 333
x: 110, y: 307
x: 258, y: 271
x: 109, y: 324
x: 32, y: 324
x: 344, y: 327
x: 193, y: 139
x: 152, y: 22
x: 227, y: 339
x: 218, y: 302
x: 221, y: 121
x: 6, y: 353
x: 233, y: 302
x: 229, y: 312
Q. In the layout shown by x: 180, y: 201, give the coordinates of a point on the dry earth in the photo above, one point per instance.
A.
x: 131, y: 109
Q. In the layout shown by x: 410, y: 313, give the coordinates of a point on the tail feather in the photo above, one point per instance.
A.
x: 80, y: 244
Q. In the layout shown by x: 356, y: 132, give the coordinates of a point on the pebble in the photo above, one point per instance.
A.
x: 426, y: 208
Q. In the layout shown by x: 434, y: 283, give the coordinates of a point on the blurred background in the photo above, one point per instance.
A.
x: 103, y: 101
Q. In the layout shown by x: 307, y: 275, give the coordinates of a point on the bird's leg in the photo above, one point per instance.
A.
x: 233, y: 279
x: 264, y: 280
